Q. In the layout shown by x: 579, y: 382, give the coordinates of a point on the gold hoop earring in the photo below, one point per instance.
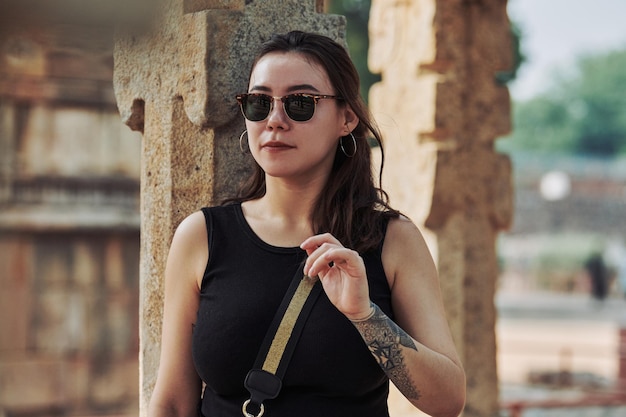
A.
x: 241, y: 141
x: 349, y: 155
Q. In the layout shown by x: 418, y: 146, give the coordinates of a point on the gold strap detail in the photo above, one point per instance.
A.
x: 287, y: 323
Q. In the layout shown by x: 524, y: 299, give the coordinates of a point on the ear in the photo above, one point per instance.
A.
x: 350, y: 121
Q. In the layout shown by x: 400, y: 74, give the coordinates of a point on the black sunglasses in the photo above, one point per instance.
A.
x: 299, y: 107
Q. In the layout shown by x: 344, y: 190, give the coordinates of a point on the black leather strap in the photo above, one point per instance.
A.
x: 264, y: 380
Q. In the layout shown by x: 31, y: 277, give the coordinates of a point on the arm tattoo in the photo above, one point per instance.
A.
x: 387, y: 341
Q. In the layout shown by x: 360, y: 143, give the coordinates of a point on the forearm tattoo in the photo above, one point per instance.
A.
x: 387, y: 341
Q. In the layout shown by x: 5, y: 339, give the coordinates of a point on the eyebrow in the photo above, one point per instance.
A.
x: 297, y: 87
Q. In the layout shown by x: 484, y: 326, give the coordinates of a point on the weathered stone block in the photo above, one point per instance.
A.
x: 32, y: 386
x: 115, y: 385
x: 15, y: 324
x: 445, y: 173
x: 86, y: 266
x: 56, y: 326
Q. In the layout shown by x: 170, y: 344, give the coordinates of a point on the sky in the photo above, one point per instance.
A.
x: 556, y: 32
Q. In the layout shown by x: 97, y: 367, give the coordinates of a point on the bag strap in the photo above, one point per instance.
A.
x: 264, y: 380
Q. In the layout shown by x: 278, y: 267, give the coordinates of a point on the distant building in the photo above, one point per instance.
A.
x: 593, y: 201
x: 566, y: 209
x: 69, y: 224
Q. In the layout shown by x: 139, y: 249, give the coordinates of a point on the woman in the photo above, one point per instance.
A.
x: 311, y: 200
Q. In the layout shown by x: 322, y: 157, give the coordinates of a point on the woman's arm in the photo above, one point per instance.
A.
x: 436, y: 388
x: 416, y: 351
x: 178, y: 388
x: 424, y: 364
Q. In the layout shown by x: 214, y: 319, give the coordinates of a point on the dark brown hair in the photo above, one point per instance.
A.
x: 350, y: 207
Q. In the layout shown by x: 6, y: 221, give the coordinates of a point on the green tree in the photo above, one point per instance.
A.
x: 583, y: 112
x: 601, y: 94
x: 505, y: 77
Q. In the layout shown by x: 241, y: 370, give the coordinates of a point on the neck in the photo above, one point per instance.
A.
x: 283, y: 215
x: 292, y: 202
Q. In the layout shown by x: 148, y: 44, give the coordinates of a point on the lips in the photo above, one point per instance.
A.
x: 276, y: 145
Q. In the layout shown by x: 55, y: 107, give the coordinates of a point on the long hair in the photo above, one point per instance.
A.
x: 350, y: 207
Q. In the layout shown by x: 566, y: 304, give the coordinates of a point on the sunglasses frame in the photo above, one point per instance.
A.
x: 241, y: 98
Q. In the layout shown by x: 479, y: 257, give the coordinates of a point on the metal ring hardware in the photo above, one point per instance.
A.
x: 245, y: 411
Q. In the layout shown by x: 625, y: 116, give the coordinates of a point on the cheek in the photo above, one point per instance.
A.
x: 254, y: 130
x: 324, y: 147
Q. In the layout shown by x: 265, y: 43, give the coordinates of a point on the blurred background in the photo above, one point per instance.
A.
x: 561, y: 297
x: 562, y: 293
x: 69, y: 211
x: 69, y: 216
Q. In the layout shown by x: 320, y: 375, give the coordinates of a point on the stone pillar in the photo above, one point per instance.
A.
x: 175, y: 80
x: 441, y: 109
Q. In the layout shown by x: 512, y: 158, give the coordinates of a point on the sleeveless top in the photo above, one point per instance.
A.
x: 331, y: 373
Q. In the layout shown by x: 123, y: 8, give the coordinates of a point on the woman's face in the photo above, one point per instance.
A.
x: 286, y: 148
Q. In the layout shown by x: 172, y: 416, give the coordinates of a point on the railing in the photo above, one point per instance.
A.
x: 615, y: 398
x: 517, y: 408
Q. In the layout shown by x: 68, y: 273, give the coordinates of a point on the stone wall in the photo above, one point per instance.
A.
x: 68, y: 334
x: 69, y: 224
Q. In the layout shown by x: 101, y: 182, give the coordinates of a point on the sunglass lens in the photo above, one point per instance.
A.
x: 256, y: 107
x: 299, y: 108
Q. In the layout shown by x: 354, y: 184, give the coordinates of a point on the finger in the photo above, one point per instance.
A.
x: 328, y: 257
x: 314, y: 256
x: 316, y: 241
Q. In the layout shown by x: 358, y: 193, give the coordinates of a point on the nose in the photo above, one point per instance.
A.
x: 277, y: 116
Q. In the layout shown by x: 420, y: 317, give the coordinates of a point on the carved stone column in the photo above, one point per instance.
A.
x: 175, y: 80
x: 441, y: 109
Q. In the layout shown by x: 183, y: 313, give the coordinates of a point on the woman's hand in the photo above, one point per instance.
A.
x: 342, y: 273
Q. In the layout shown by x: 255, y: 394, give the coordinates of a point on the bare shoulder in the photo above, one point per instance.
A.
x: 189, y: 248
x: 405, y: 246
x: 402, y: 228
x: 192, y: 229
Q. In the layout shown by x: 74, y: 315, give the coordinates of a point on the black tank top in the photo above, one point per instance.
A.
x: 332, y: 372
